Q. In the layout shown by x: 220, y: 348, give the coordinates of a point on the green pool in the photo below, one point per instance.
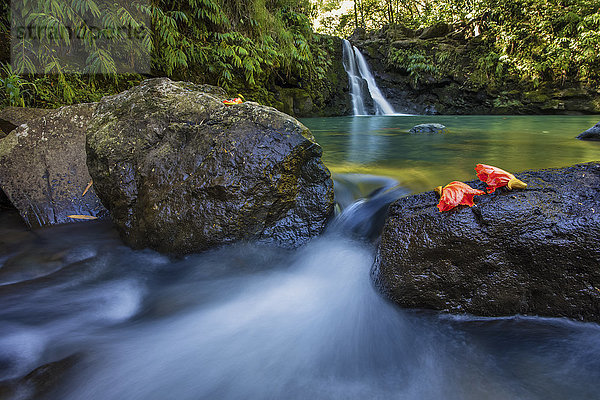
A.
x: 383, y: 145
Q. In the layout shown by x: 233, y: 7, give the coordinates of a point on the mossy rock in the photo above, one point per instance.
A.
x: 44, y: 172
x: 536, y: 97
x: 181, y: 172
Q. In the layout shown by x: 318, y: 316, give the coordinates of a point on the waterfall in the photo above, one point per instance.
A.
x: 358, y: 70
x: 354, y: 79
x: 383, y: 107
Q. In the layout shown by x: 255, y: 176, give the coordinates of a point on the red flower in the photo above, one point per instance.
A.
x: 230, y: 102
x: 456, y: 193
x: 495, y: 177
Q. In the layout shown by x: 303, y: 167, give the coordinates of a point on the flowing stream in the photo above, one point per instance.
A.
x: 358, y: 72
x: 256, y: 322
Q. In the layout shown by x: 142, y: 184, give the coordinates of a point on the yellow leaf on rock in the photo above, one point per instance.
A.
x: 89, y: 185
x: 82, y: 217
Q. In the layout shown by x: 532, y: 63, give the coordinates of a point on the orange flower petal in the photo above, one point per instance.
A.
x: 494, y: 177
x: 230, y: 102
x: 457, y: 193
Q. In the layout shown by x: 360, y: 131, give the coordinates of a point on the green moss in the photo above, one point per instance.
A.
x: 507, y: 103
x: 8, y: 143
x: 536, y: 97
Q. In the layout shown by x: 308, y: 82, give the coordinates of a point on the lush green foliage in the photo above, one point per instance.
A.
x: 238, y: 44
x: 14, y: 89
x: 242, y: 46
x: 535, y: 40
x: 53, y: 68
x: 416, y: 63
x: 546, y: 40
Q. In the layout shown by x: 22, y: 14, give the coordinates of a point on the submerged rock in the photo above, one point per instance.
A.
x: 591, y: 134
x: 40, y: 382
x: 532, y: 251
x: 181, y: 172
x: 44, y: 172
x: 429, y: 128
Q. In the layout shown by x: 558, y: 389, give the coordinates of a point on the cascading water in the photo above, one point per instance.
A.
x: 255, y: 322
x: 358, y: 71
x: 383, y: 107
x: 358, y: 106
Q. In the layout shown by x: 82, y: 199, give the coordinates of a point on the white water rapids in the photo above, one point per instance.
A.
x: 256, y: 322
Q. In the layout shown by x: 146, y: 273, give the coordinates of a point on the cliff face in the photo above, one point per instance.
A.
x: 304, y: 96
x: 437, y: 70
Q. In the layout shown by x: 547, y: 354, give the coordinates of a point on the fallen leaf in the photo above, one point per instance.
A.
x: 230, y: 102
x: 82, y: 217
x: 89, y: 185
x: 456, y: 193
x: 495, y: 177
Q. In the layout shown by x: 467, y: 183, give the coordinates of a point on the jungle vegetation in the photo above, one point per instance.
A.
x: 247, y: 46
x: 237, y: 44
x: 539, y: 40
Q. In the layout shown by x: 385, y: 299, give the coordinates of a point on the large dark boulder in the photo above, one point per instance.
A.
x: 181, y: 172
x: 434, y: 31
x: 11, y: 117
x: 591, y: 134
x: 532, y: 251
x: 44, y: 172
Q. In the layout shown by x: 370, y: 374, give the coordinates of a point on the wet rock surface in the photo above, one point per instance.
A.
x: 39, y: 382
x: 44, y: 172
x: 11, y: 117
x: 181, y: 172
x: 532, y: 251
x: 591, y: 134
x: 429, y: 128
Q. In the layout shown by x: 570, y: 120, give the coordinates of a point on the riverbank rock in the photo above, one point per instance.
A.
x: 532, y: 251
x: 11, y: 117
x: 181, y: 172
x: 591, y: 134
x: 440, y: 29
x: 44, y: 172
x: 429, y: 128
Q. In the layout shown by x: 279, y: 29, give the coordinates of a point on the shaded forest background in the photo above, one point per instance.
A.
x: 249, y: 47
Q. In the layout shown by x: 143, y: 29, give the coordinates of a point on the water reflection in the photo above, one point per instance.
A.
x: 383, y: 146
x: 365, y: 143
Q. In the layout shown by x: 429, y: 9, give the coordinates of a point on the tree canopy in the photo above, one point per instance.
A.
x: 248, y: 45
x: 540, y: 39
x: 237, y: 44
